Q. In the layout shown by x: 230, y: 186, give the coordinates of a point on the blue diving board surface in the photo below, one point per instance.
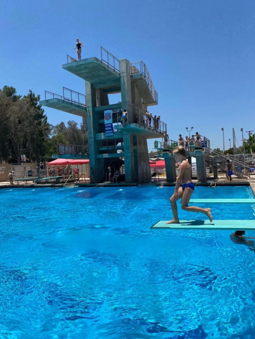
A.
x: 222, y: 201
x: 207, y: 225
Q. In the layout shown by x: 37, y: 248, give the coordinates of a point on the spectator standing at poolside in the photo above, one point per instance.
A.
x: 116, y: 176
x: 10, y: 177
x: 76, y: 172
x: 184, y: 188
x: 65, y: 170
x: 109, y: 173
x: 59, y: 169
x: 78, y: 47
x: 52, y: 171
x: 92, y: 174
x: 229, y: 170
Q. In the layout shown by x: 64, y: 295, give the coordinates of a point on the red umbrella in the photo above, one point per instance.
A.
x: 159, y: 163
x: 78, y: 161
x: 59, y: 162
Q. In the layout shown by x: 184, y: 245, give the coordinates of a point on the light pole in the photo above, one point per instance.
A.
x: 229, y: 143
x: 243, y: 148
x: 189, y: 130
x: 242, y: 139
x: 223, y: 140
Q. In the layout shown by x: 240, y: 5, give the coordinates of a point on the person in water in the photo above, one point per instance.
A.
x: 184, y: 188
x: 239, y: 238
x: 78, y: 47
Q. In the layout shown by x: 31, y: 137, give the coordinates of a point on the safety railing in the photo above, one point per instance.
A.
x: 74, y: 97
x: 50, y: 95
x: 70, y: 59
x: 109, y: 60
x: 68, y: 95
x: 218, y: 159
x: 149, y: 121
x: 72, y: 149
x: 139, y: 67
x: 167, y: 144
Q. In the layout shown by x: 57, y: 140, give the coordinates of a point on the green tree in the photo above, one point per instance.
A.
x: 5, y: 103
x: 250, y: 144
x: 23, y: 126
x: 10, y: 92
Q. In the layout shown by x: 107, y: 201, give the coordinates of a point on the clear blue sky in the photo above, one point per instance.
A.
x: 200, y: 55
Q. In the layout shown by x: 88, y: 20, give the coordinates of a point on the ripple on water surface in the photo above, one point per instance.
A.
x: 84, y: 263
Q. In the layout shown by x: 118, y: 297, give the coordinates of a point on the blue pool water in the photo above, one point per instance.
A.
x: 84, y: 263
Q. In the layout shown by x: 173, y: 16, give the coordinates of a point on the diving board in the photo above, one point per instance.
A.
x: 222, y: 201
x: 207, y: 225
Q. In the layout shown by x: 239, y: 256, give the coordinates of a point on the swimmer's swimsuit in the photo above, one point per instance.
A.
x: 190, y: 185
x: 78, y: 45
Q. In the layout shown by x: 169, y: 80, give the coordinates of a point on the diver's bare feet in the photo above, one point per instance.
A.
x: 173, y: 221
x: 209, y: 214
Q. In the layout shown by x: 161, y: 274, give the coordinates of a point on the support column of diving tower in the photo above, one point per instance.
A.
x: 137, y: 92
x: 171, y: 169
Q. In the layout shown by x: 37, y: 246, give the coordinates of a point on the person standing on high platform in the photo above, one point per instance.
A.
x: 78, y: 47
x: 184, y: 188
x: 181, y: 141
x: 165, y: 139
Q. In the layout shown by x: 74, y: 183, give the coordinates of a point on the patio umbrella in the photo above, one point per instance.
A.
x: 61, y: 162
x: 159, y: 163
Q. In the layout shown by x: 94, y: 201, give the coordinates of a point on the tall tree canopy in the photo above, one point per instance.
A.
x: 23, y: 126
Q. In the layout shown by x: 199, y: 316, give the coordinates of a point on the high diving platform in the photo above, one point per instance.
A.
x: 95, y: 72
x: 137, y: 129
x: 207, y: 225
x: 70, y: 102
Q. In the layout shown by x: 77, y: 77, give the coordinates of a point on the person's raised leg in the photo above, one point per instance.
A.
x: 173, y: 200
x: 185, y: 200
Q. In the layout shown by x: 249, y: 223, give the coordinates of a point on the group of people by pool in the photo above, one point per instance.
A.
x: 64, y: 171
x: 194, y: 140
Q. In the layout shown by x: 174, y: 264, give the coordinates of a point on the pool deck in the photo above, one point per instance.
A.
x: 220, y: 182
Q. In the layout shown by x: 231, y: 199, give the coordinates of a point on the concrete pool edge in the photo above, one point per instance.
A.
x: 250, y: 183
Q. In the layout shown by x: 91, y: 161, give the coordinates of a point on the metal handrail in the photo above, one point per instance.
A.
x: 54, y: 95
x: 169, y: 144
x: 70, y: 59
x: 72, y: 93
x: 109, y: 60
x: 64, y: 98
x: 236, y: 165
x: 148, y: 121
x: 139, y: 67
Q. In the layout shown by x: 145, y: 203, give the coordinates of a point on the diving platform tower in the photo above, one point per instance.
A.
x: 128, y: 141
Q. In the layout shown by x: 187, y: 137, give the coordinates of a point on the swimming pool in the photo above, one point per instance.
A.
x: 84, y: 263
